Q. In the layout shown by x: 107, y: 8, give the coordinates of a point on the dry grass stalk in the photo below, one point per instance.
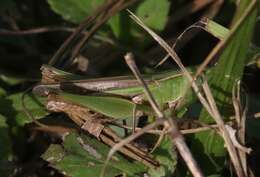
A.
x: 240, y: 115
x: 208, y: 102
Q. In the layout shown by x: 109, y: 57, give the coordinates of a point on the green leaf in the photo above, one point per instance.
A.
x: 120, y: 25
x: 74, y: 10
x: 216, y: 29
x: 11, y: 107
x: 10, y: 80
x: 167, y: 157
x: 2, y: 92
x: 154, y: 13
x: 229, y: 69
x: 83, y: 156
x: 115, y: 25
x: 6, y: 148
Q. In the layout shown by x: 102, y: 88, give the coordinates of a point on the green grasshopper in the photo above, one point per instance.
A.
x: 78, y: 98
x: 115, y: 97
x: 59, y: 89
x: 115, y: 92
x: 123, y: 91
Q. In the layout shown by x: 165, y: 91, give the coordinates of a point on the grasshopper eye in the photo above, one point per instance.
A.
x: 43, y: 90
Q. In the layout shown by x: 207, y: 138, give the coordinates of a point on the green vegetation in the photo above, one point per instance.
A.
x: 39, y: 138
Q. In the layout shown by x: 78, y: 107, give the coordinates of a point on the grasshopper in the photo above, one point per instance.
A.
x: 122, y: 90
x: 88, y: 101
x: 77, y: 98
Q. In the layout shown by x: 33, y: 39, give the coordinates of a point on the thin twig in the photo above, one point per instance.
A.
x: 34, y: 31
x: 48, y: 29
x: 204, y: 127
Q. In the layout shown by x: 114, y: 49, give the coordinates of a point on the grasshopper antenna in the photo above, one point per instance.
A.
x: 175, y: 134
x: 187, y: 35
